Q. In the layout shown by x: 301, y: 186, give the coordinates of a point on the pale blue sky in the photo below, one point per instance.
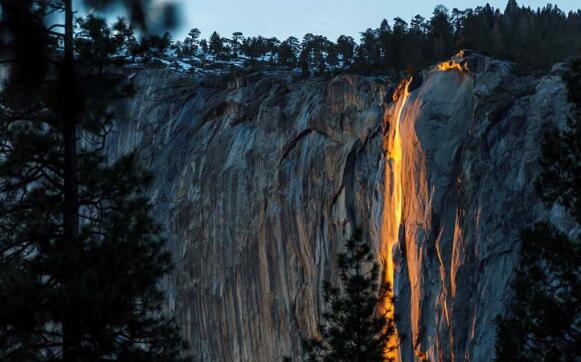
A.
x: 330, y: 18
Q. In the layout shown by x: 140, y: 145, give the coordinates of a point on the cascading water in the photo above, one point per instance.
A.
x: 407, y: 215
x: 393, y: 192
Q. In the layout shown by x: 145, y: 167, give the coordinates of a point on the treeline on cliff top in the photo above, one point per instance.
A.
x: 534, y: 39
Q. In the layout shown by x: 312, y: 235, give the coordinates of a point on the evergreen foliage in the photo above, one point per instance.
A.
x: 189, y: 46
x: 288, y: 52
x: 355, y: 331
x: 544, y: 321
x: 215, y: 45
x: 236, y: 43
x: 81, y: 258
x: 346, y: 49
x: 535, y: 39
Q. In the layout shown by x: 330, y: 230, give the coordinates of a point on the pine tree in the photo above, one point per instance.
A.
x: 346, y: 48
x: 355, y: 331
x: 156, y: 45
x: 215, y: 45
x: 369, y: 46
x: 399, y: 44
x: 255, y: 47
x: 544, y: 321
x: 332, y: 54
x: 237, y: 39
x: 511, y: 8
x: 441, y: 33
x: 317, y: 45
x: 81, y: 258
x: 190, y: 43
x: 272, y: 46
x: 204, y: 45
x: 385, y: 42
x: 287, y: 53
x: 124, y: 36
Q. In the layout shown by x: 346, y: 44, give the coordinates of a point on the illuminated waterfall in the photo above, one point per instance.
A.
x: 394, y: 193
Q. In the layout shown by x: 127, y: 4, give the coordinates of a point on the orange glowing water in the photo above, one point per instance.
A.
x: 392, y: 213
x: 453, y: 64
x: 407, y: 201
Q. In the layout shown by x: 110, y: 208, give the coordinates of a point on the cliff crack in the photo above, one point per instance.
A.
x: 289, y: 146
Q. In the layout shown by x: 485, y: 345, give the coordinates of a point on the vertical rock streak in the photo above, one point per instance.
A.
x: 393, y: 200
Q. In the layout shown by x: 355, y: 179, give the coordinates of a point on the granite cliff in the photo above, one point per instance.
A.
x: 259, y: 181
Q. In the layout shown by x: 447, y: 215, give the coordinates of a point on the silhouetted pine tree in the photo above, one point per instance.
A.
x: 81, y: 258
x: 354, y: 329
x: 204, y: 45
x: 534, y: 39
x: 237, y: 39
x: 346, y: 48
x: 287, y: 54
x: 332, y: 54
x: 399, y: 47
x: 441, y: 33
x: 544, y: 322
x: 215, y: 45
x: 190, y: 43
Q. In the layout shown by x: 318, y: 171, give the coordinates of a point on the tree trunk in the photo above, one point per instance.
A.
x: 70, y: 322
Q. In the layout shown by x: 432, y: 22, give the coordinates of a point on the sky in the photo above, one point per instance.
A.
x: 330, y: 18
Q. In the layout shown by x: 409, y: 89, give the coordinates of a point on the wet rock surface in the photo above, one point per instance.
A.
x: 260, y: 180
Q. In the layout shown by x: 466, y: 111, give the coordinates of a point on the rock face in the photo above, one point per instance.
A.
x: 259, y: 182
